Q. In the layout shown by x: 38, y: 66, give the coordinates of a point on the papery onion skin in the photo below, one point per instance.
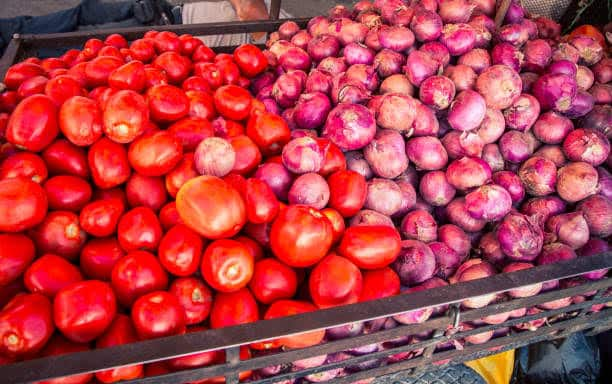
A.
x: 553, y: 153
x: 435, y: 189
x: 602, y: 93
x: 419, y: 225
x: 397, y: 83
x: 415, y: 263
x: 516, y: 146
x: 552, y: 127
x: 543, y: 207
x: 507, y: 54
x: 492, y: 156
x: 488, y: 202
x: 427, y: 124
x: 584, y: 78
x: 426, y: 152
x: 555, y: 91
x: 309, y: 189
x: 311, y: 110
x: 468, y: 172
x: 214, y: 156
x: 384, y: 196
x: 386, y: 154
x: 459, y: 144
x: 478, y: 59
x: 458, y: 38
x: 476, y: 271
x: 419, y: 66
x: 396, y: 111
x: 457, y: 214
x: 569, y: 228
x: 456, y: 239
x: 426, y: 25
x: 588, y: 145
x: 463, y: 76
x: 492, y: 126
x: 437, y: 92
x: 500, y: 86
x: 512, y: 183
x: 388, y: 62
x: 467, y: 111
x: 490, y: 250
x: 595, y: 246
x: 370, y: 217
x: 302, y: 155
x: 447, y: 260
x: 577, y: 181
x: 523, y: 113
x: 520, y: 238
x: 537, y: 55
x: 350, y: 126
x: 597, y: 211
x: 539, y: 176
x: 277, y: 177
x: 408, y: 197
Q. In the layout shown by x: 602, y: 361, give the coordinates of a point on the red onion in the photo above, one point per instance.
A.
x: 520, y: 237
x: 318, y: 25
x: 463, y: 76
x: 569, y: 228
x: 486, y: 7
x: 514, y: 14
x: 384, y: 196
x: 427, y: 124
x: 537, y: 55
x: 214, y: 156
x: 605, y: 182
x: 261, y: 81
x: 348, y: 31
x: 488, y: 202
x: 402, y: 16
x: 419, y: 66
x: 388, y: 62
x: 419, y: 225
x: 302, y: 155
x: 435, y: 189
x: 597, y: 211
x: 587, y: 145
x: 481, y: 25
x: 323, y: 46
x: 492, y: 156
x: 299, y: 133
x: 437, y: 92
x: 339, y: 12
x: 460, y: 144
x: 477, y: 269
x: 408, y: 197
x: 370, y: 217
x: 507, y: 54
x: 426, y: 152
x: 512, y: 183
x: 447, y: 260
x: 467, y: 172
x: 603, y: 70
x: 500, y: 86
x: 287, y: 30
x: 436, y: 282
x: 544, y: 207
x: 515, y: 34
x: 386, y: 154
x: 492, y: 126
x: 555, y: 91
x: 301, y: 39
x: 583, y: 103
x: 271, y: 105
x: 553, y: 153
x: 526, y: 291
x: 602, y: 93
x: 584, y: 78
x: 436, y: 51
x: 345, y: 92
x: 364, y: 75
x: 554, y: 253
x: 396, y: 111
x: 397, y: 83
x: 490, y: 249
x: 456, y: 239
x: 332, y: 65
x: 287, y: 89
x: 600, y: 118
x: 479, y: 338
x: 478, y: 59
x: 309, y: 189
x: 295, y: 58
x: 415, y: 263
x: 457, y: 214
x: 516, y: 146
x: 350, y: 126
x: 523, y: 112
x: 595, y: 246
x: 418, y: 315
x: 458, y: 38
x: 589, y: 49
x: 371, y: 40
x: 467, y: 111
x: 539, y: 176
x: 311, y: 110
x: 552, y: 127
x: 355, y: 161
x: 395, y: 38
x: 528, y: 78
x: 426, y: 25
x: 455, y: 11
x: 369, y: 18
x: 533, y: 324
x: 565, y: 51
x: 355, y: 53
x: 287, y: 115
x: 277, y: 177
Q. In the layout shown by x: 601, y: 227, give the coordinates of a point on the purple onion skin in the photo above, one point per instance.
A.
x: 516, y: 146
x: 547, y: 28
x: 437, y: 92
x: 456, y: 239
x: 478, y: 59
x: 602, y: 93
x: 301, y: 39
x: 384, y: 196
x: 605, y: 182
x: 408, y: 197
x: 600, y: 118
x: 302, y: 155
x: 566, y: 51
x: 310, y: 362
x: 515, y: 14
x: 287, y: 115
x: 409, y: 176
x: 311, y: 110
x: 603, y: 70
x: 386, y: 154
x: 463, y: 76
x: 286, y: 90
x: 364, y: 75
x: 515, y: 34
x: 584, y: 78
x: 458, y: 215
x: 459, y: 144
x: 512, y: 183
x: 350, y: 126
x: 295, y: 58
x: 458, y: 38
x: 590, y: 51
x: 299, y: 133
x: 490, y: 250
x: 396, y: 38
x: 528, y: 78
x: 436, y: 282
x: 355, y: 161
x: 554, y: 253
x: 523, y: 113
x: 396, y: 111
x: 318, y: 25
x: 447, y: 260
x: 552, y: 127
x: 214, y: 156
x: 309, y: 189
x: 455, y: 11
x: 437, y: 51
x: 323, y: 46
x: 488, y: 202
x: 467, y: 111
x: 564, y: 67
x: 555, y: 91
x: 500, y: 86
x: 492, y: 156
x: 553, y: 153
x: 371, y: 39
x: 397, y: 83
x: 263, y: 80
x: 483, y: 33
x: 588, y: 145
x: 468, y: 172
x: 277, y: 177
x: 597, y: 210
x: 415, y: 263
x: 538, y: 54
x: 419, y: 225
x: 492, y: 126
x: 427, y: 124
x: 419, y: 66
x: 426, y: 25
x: 344, y: 331
x: 370, y: 217
x: 520, y: 238
x: 355, y: 53
x: 583, y: 103
x: 388, y: 62
x: 569, y: 228
x: 435, y: 189
x: 595, y: 246
x: 427, y: 153
x: 507, y: 54
x: 332, y: 65
x: 539, y: 176
x: 543, y: 207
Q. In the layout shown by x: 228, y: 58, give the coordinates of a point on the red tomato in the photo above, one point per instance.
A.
x: 184, y: 171
x: 125, y: 116
x: 116, y: 40
x: 52, y: 63
x: 49, y: 274
x: 59, y: 233
x: 155, y: 76
x: 98, y: 69
x: 155, y: 154
x: 167, y: 41
x: 121, y: 331
x: 59, y: 345
x: 196, y: 83
x: 91, y: 48
x: 23, y: 204
x: 194, y: 296
x: 190, y: 131
x: 24, y: 164
x: 210, y: 72
x: 100, y: 217
x: 203, y: 53
x: 227, y: 128
x: 111, y: 194
x: 273, y: 280
x: 223, y: 57
x: 233, y: 102
x: 61, y: 88
x: 80, y: 120
x: 59, y: 72
x: 69, y: 193
x: 333, y: 160
x: 9, y: 291
x: 146, y: 191
x: 230, y: 73
x: 201, y: 359
x: 201, y: 105
x: 180, y: 251
x: 16, y: 253
x: 253, y: 246
x: 142, y: 49
x: 8, y: 101
x: 33, y: 123
x: 176, y: 67
x: 168, y: 216
x: 337, y: 222
x: 261, y: 203
x: 129, y: 76
x: 110, y: 51
x: 233, y: 308
x: 26, y: 323
x: 156, y: 369
x: 227, y: 265
x: 69, y: 56
x: 109, y: 163
x: 77, y: 72
x: 101, y: 94
x: 20, y: 72
x: 158, y: 314
x: 82, y: 311
x: 167, y: 103
x: 370, y: 246
x: 270, y: 132
x: 189, y: 44
x: 283, y: 308
x: 139, y: 228
x: 301, y: 236
x: 248, y: 155
x: 99, y: 256
x: 137, y: 273
x: 211, y: 207
x: 379, y: 283
x: 250, y: 60
x: 347, y: 192
x: 238, y: 182
x: 32, y: 86
x: 63, y: 157
x: 335, y: 281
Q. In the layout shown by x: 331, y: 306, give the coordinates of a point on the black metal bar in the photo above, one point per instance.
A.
x: 275, y: 7
x: 10, y: 55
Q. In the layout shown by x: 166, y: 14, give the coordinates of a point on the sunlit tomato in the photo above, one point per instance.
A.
x: 142, y: 50
x: 176, y: 66
x: 370, y: 246
x: 99, y: 256
x: 135, y: 274
x: 221, y: 57
x: 333, y: 160
x: 77, y: 72
x: 203, y: 53
x: 180, y: 251
x: 261, y: 204
x: 69, y: 56
x: 210, y: 72
x: 283, y: 308
x: 230, y: 73
x: 139, y: 228
x: 158, y: 314
x: 63, y: 157
x: 167, y: 103
x: 26, y: 324
x: 167, y: 41
x: 100, y: 217
x: 194, y: 296
x: 196, y: 83
x: 190, y: 131
x: 155, y: 154
x: 59, y: 233
x: 379, y: 283
x: 273, y: 280
x: 189, y: 44
x: 116, y: 40
x: 8, y: 101
x: 155, y: 76
x: 91, y: 48
x: 59, y: 345
x: 250, y: 60
x: 227, y: 128
x: 201, y: 105
x: 108, y: 162
x: 301, y: 236
x: 121, y: 331
x: 52, y: 63
x: 26, y: 165
x: 348, y: 191
x: 98, y: 69
x: 232, y: 102
x: 227, y: 265
x: 211, y: 207
x: 33, y: 123
x: 233, y: 308
x: 111, y: 51
x: 129, y: 76
x: 67, y: 192
x: 335, y: 281
x: 337, y: 222
x: 23, y: 204
x: 184, y: 171
x: 61, y: 88
x: 125, y: 116
x: 80, y: 120
x: 201, y: 359
x: 253, y: 246
x: 18, y: 73
x: 50, y: 273
x: 32, y: 86
x: 270, y: 132
x: 168, y: 216
x: 59, y: 72
x: 248, y: 155
x: 147, y: 191
x: 101, y: 95
x: 16, y: 253
x: 238, y: 182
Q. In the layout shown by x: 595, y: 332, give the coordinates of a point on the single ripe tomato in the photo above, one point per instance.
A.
x: 379, y: 283
x: 180, y: 250
x: 250, y: 60
x: 334, y: 281
x: 139, y: 228
x: 189, y: 44
x: 49, y: 274
x: 100, y: 217
x: 33, y: 123
x: 347, y: 192
x: 155, y: 154
x: 227, y: 265
x: 129, y: 76
x: 59, y: 345
x: 125, y: 116
x: 194, y: 296
x: 51, y: 63
x: 158, y: 314
x: 176, y: 66
x: 370, y: 246
x: 32, y: 86
x: 109, y: 164
x: 80, y: 120
x: 337, y: 222
x: 24, y: 164
x: 232, y: 102
x: 283, y: 308
x: 16, y: 253
x: 203, y: 53
x: 333, y: 158
x: 168, y: 216
x: 248, y: 155
x: 201, y: 359
x: 60, y: 233
x: 111, y: 194
x: 26, y: 324
x: 270, y: 132
x: 137, y: 273
x: 91, y: 48
x: 273, y: 280
x: 147, y: 191
x: 23, y: 204
x: 190, y: 131
x: 142, y: 49
x: 201, y: 105
x: 121, y: 331
x: 9, y: 291
x: 20, y: 72
x: 99, y: 256
x: 210, y: 72
x: 69, y: 56
x: 167, y: 41
x: 301, y: 236
x: 230, y: 73
x: 211, y: 207
x: 8, y: 101
x: 167, y: 103
x: 62, y: 88
x: 116, y: 40
x: 155, y: 76
x: 183, y: 172
x: 63, y: 157
x: 262, y: 206
x: 98, y: 69
x: 196, y: 83
x: 69, y: 193
x: 233, y: 308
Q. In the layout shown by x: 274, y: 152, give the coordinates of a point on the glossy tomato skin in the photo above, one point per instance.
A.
x: 82, y: 311
x: 210, y: 72
x: 8, y: 101
x: 23, y: 204
x: 139, y: 228
x: 227, y: 265
x: 176, y: 66
x: 196, y: 83
x: 98, y: 69
x: 180, y: 250
x: 26, y: 324
x: 250, y: 60
x: 32, y: 86
x: 167, y: 103
x: 232, y: 102
x: 63, y: 157
x: 300, y: 236
x: 100, y: 217
x: 99, y: 256
x: 270, y: 132
x: 194, y: 296
x: 108, y: 162
x: 91, y: 48
x: 155, y: 76
x: 262, y: 206
x: 111, y: 194
x: 370, y: 246
x: 59, y: 233
x: 137, y: 273
x: 253, y: 246
x: 61, y: 88
x: 116, y: 40
x: 167, y: 41
x: 282, y: 308
x: 33, y: 123
x: 16, y: 253
x: 125, y: 116
x: 203, y: 53
x: 379, y: 283
x: 49, y: 274
x: 337, y: 222
x: 248, y: 155
x: 158, y: 314
x: 229, y: 72
x: 18, y: 73
x: 80, y: 120
x: 184, y: 171
x: 348, y: 191
x: 67, y: 192
x: 142, y: 49
x: 24, y: 164
x: 169, y: 216
x: 334, y: 281
x: 155, y: 154
x: 147, y: 191
x: 129, y: 76
x: 121, y: 331
x: 201, y: 105
x: 190, y: 131
x: 189, y: 44
x: 59, y: 345
x: 333, y: 159
x: 273, y: 280
x: 195, y: 360
x: 77, y: 72
x: 233, y: 308
x: 211, y: 207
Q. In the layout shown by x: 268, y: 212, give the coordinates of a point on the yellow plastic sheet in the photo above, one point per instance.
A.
x: 495, y: 369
